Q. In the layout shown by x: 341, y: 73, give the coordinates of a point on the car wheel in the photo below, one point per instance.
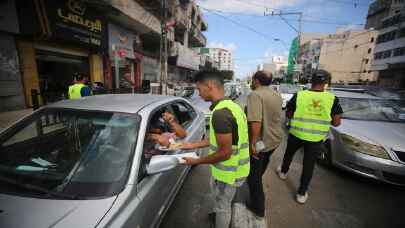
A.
x: 325, y: 156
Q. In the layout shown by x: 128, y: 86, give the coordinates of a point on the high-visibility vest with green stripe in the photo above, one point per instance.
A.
x: 75, y: 91
x: 234, y: 170
x: 312, y: 116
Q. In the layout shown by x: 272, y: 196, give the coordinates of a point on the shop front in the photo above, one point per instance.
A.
x: 62, y: 39
x: 125, y: 63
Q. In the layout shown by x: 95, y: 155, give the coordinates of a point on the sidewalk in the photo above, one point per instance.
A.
x: 7, y: 118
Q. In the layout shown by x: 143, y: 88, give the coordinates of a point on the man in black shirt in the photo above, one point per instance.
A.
x: 311, y: 114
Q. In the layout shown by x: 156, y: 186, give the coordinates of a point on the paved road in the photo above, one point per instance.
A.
x: 337, y: 199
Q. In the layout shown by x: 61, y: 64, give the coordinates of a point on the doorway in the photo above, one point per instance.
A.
x: 56, y: 73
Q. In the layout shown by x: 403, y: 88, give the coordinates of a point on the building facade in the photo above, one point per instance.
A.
x: 277, y: 67
x: 54, y: 43
x: 11, y: 85
x: 389, y: 53
x: 115, y: 42
x: 348, y: 55
x: 223, y: 57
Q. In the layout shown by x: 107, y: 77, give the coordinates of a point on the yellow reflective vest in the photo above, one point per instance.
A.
x: 234, y: 170
x: 312, y: 116
x: 74, y: 91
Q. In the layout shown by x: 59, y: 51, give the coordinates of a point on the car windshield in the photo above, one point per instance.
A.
x: 78, y: 153
x: 289, y: 88
x: 372, y: 110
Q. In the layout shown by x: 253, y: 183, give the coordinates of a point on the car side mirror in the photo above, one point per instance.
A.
x: 161, y: 163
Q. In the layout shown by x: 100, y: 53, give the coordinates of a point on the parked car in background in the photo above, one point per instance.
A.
x: 87, y: 163
x: 371, y: 139
x: 287, y: 91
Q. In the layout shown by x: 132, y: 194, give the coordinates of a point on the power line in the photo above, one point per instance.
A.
x: 304, y: 20
x: 215, y: 12
x: 257, y: 5
x: 354, y: 3
x: 291, y: 26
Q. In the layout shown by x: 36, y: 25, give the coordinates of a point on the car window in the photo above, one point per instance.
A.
x: 184, y: 113
x: 28, y: 132
x: 371, y: 110
x: 70, y: 151
x: 156, y: 125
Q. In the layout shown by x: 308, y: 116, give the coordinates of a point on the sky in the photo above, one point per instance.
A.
x: 240, y: 25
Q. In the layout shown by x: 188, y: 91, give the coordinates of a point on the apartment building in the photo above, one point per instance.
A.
x: 347, y: 56
x: 118, y: 45
x: 223, y: 57
x: 389, y: 53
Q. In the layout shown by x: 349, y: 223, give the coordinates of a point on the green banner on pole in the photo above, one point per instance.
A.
x: 292, y: 55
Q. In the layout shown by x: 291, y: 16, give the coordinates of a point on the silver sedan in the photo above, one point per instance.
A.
x: 87, y: 163
x: 371, y: 139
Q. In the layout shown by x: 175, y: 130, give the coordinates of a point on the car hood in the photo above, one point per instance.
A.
x: 387, y: 134
x: 17, y: 212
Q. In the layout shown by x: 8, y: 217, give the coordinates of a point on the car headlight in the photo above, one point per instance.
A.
x: 362, y: 147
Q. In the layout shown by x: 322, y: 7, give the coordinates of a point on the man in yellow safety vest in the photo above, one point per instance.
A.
x: 228, y: 146
x: 311, y: 113
x: 79, y: 89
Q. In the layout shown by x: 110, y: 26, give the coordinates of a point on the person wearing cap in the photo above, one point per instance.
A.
x: 311, y: 113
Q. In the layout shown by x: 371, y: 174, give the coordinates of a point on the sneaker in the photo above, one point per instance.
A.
x: 280, y: 174
x: 302, y: 198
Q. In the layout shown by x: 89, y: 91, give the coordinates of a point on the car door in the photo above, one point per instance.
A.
x: 156, y: 192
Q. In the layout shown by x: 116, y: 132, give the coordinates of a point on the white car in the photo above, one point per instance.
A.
x: 287, y: 91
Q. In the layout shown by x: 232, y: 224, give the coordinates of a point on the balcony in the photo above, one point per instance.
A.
x: 133, y: 15
x: 185, y: 57
x: 197, y: 39
x: 182, y: 20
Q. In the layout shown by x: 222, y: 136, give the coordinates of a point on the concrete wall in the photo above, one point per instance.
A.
x: 11, y: 88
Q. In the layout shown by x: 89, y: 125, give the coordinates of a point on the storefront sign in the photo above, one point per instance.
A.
x: 65, y: 20
x: 120, y: 42
x: 8, y: 16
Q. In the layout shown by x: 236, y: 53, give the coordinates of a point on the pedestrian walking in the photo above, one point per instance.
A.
x: 228, y: 146
x: 311, y: 113
x: 264, y: 107
x: 79, y: 88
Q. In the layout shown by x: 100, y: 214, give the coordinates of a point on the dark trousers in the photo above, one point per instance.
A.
x: 257, y: 169
x: 311, y: 151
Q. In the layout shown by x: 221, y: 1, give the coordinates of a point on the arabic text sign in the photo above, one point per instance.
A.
x: 76, y: 21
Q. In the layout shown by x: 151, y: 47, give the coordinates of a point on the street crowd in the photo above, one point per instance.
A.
x: 241, y: 142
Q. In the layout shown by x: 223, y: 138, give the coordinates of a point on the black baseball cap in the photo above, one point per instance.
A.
x: 320, y: 76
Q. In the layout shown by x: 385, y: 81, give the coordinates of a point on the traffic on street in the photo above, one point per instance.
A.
x: 202, y: 113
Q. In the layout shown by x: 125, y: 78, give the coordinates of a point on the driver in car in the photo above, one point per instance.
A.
x: 164, y: 127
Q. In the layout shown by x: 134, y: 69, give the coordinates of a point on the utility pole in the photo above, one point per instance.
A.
x: 299, y: 30
x: 163, y: 49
